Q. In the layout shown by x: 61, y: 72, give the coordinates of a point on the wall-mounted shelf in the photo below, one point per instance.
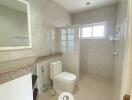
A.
x: 116, y: 53
x: 22, y: 37
x: 46, y: 57
x: 112, y: 38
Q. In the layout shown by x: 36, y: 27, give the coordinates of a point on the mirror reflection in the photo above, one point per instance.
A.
x: 13, y: 24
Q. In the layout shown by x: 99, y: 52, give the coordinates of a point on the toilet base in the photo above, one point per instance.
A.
x: 59, y: 91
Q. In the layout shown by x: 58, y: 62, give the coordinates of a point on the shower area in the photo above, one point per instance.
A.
x: 102, y: 42
x: 97, y: 54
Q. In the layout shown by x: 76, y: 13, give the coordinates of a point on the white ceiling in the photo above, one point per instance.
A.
x: 75, y: 6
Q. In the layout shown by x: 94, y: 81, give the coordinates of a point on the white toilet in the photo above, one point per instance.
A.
x: 62, y: 81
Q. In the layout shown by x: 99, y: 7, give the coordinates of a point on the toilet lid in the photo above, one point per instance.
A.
x: 67, y: 76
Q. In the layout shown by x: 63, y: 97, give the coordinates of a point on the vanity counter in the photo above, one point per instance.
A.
x: 12, y: 73
x: 14, y: 69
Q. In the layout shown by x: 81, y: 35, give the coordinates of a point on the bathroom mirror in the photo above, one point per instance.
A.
x: 15, y: 29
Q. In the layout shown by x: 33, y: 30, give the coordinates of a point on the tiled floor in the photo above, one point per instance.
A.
x: 90, y: 88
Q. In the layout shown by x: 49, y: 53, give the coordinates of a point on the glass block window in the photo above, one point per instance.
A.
x: 67, y: 39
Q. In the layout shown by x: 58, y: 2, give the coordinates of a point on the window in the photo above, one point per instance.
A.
x: 93, y: 31
x: 67, y: 39
x: 87, y: 31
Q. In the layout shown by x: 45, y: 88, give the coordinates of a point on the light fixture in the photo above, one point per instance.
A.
x: 88, y: 3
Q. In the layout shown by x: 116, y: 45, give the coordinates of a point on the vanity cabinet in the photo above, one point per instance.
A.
x: 17, y: 89
x: 35, y: 90
x: 35, y: 83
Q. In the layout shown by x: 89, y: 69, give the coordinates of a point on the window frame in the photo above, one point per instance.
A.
x: 92, y: 25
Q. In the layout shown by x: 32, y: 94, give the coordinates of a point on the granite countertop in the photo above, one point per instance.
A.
x: 19, y: 68
x: 14, y: 72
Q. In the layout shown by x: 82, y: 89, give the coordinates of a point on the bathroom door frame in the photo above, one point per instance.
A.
x: 126, y: 88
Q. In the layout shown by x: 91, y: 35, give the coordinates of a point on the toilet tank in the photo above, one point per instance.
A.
x: 55, y: 69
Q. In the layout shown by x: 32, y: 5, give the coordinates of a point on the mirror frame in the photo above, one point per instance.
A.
x: 29, y: 31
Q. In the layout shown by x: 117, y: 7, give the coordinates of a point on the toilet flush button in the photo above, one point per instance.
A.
x: 66, y: 96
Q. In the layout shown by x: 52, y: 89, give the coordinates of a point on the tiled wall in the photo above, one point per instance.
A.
x: 96, y: 54
x: 96, y: 57
x: 45, y: 15
x: 120, y: 47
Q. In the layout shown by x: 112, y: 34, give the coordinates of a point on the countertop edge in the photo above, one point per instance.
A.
x: 16, y: 72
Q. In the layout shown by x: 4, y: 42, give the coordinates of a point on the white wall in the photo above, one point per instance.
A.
x: 45, y: 14
x: 120, y: 46
x: 96, y: 55
x: 127, y: 79
x: 18, y: 89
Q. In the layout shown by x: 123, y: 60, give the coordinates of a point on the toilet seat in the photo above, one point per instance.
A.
x: 66, y: 76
